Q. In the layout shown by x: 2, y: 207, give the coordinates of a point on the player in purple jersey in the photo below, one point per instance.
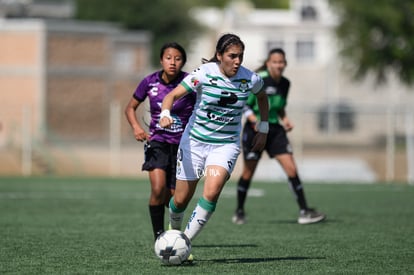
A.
x: 161, y: 143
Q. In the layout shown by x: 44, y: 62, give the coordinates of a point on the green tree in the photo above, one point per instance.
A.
x: 260, y: 4
x: 377, y: 36
x: 271, y: 4
x: 167, y: 20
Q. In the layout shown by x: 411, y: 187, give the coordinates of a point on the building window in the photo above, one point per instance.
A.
x: 275, y: 44
x: 308, y: 13
x: 124, y: 60
x: 338, y: 117
x: 305, y: 50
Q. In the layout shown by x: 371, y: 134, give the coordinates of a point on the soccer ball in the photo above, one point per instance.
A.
x: 172, y: 247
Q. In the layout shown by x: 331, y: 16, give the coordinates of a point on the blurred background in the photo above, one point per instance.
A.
x: 68, y: 69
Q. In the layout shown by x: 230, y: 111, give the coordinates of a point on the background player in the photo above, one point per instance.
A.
x: 276, y: 87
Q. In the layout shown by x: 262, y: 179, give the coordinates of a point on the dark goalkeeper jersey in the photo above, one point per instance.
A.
x: 277, y: 93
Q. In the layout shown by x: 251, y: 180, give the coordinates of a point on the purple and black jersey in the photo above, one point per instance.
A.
x: 154, y: 87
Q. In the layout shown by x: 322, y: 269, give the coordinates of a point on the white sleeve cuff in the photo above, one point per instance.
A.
x: 248, y: 112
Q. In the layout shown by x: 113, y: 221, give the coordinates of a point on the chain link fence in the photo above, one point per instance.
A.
x: 333, y: 142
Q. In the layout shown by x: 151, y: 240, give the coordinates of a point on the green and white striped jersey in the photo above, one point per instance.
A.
x: 217, y: 114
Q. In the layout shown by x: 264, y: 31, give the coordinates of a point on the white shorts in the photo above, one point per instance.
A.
x: 193, y: 157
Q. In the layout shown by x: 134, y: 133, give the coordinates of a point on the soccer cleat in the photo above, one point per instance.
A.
x: 309, y: 216
x: 239, y: 217
x: 157, y: 234
x: 190, y: 258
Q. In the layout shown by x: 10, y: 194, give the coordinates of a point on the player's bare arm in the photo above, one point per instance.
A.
x: 130, y: 113
x: 263, y: 126
x: 287, y: 124
x: 167, y: 103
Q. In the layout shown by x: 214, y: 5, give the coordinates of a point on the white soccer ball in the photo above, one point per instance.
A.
x: 172, y: 247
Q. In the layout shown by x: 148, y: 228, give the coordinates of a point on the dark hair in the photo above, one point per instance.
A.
x: 224, y: 42
x: 272, y: 51
x: 176, y: 46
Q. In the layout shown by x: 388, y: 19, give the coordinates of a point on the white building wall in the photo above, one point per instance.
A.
x: 318, y: 82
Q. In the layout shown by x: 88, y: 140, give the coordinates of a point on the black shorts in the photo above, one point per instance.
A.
x: 277, y: 142
x: 164, y: 156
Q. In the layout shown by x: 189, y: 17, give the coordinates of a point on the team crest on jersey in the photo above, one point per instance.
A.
x: 243, y: 85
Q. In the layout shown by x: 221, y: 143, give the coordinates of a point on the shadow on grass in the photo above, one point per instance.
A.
x: 248, y: 260
x: 296, y: 222
x: 259, y: 260
x: 224, y: 245
x: 245, y: 260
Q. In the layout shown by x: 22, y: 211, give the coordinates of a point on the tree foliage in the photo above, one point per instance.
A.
x: 377, y: 36
x: 167, y: 20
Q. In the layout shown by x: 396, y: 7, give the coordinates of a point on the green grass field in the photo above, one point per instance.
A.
x: 102, y: 226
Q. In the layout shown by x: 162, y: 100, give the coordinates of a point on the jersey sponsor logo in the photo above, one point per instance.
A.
x: 174, y: 128
x: 215, y: 117
x: 271, y: 90
x: 154, y: 88
x: 227, y: 98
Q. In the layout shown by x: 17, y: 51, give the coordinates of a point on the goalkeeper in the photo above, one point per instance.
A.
x: 277, y: 146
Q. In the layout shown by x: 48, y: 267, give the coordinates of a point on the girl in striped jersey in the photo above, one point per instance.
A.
x: 210, y: 143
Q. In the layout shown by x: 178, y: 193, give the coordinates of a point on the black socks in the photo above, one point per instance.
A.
x: 297, y: 189
x: 157, y: 219
x: 242, y: 188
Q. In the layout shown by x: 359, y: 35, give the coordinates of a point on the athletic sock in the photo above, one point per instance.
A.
x: 297, y: 189
x: 200, y: 216
x: 242, y: 188
x: 176, y: 215
x: 157, y: 218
